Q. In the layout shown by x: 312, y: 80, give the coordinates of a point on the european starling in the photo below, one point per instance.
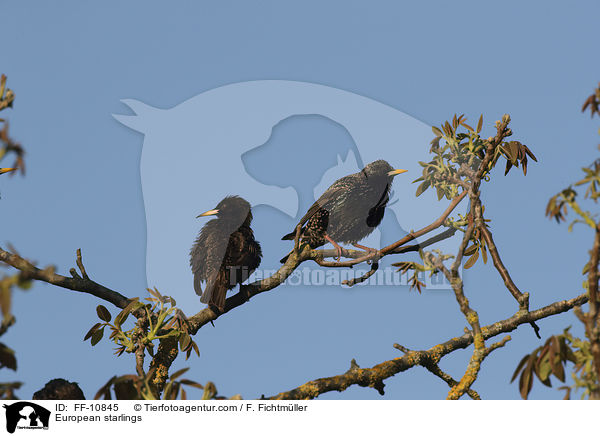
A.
x: 349, y: 210
x: 225, y: 252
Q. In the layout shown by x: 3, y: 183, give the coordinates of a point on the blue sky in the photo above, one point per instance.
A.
x: 71, y: 64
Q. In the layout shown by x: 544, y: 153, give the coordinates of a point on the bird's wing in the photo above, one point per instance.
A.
x: 207, y: 255
x: 376, y: 212
x: 330, y: 196
x: 241, y: 257
x: 214, y: 260
x: 197, y: 255
x: 337, y: 192
x: 245, y: 251
x: 210, y: 287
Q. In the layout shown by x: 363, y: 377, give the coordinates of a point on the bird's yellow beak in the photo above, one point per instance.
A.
x: 6, y: 170
x: 210, y: 212
x: 396, y: 172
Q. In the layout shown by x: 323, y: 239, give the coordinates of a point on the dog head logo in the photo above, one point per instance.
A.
x: 278, y: 144
x: 26, y: 415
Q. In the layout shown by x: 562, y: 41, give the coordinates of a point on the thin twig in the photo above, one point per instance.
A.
x: 434, y: 225
x: 404, y: 249
x: 473, y: 368
x: 448, y: 233
x: 508, y: 282
x: 364, y: 277
x: 297, y: 239
x: 521, y: 297
x: 437, y: 371
x: 80, y: 265
x: 434, y: 368
x: 75, y: 283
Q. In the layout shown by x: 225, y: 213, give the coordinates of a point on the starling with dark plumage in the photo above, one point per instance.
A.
x: 350, y: 209
x: 225, y: 252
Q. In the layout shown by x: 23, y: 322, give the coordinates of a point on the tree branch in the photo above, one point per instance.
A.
x: 508, y: 282
x: 159, y: 366
x: 405, y: 249
x: 364, y: 277
x: 521, y: 297
x: 373, y: 377
x: 167, y: 350
x: 434, y: 368
x: 75, y: 283
x: 480, y: 351
x: 305, y: 253
x: 250, y: 290
x: 473, y: 368
x: 298, y: 255
x: 476, y: 221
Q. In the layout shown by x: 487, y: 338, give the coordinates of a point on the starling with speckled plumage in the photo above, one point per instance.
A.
x: 350, y: 209
x: 225, y: 252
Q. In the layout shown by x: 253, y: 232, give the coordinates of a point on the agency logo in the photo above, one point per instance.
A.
x: 278, y: 144
x: 24, y: 415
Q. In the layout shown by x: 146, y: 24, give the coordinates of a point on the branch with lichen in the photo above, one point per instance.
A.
x: 434, y: 368
x: 480, y: 351
x: 374, y: 377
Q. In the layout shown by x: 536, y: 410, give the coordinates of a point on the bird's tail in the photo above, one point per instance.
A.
x: 216, y: 291
x: 211, y: 284
x: 218, y: 297
x: 198, y: 284
x: 290, y: 236
x: 285, y: 258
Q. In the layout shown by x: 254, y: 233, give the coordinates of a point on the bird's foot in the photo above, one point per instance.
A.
x: 216, y: 309
x: 369, y: 250
x: 337, y: 247
x: 244, y: 293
